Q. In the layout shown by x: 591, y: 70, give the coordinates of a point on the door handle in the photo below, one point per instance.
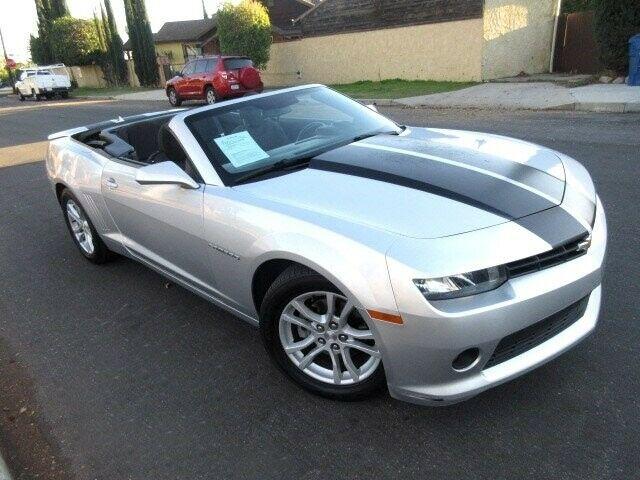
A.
x: 111, y: 183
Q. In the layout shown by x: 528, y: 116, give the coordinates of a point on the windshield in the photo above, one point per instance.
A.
x: 288, y: 126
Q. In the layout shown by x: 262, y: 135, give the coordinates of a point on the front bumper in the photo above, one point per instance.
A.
x: 418, y: 355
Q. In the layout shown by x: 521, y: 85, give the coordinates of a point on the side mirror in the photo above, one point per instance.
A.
x: 372, y: 107
x: 165, y: 173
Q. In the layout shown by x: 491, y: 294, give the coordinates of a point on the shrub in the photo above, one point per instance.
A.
x: 245, y: 29
x: 572, y: 6
x: 616, y: 21
x: 74, y: 41
x: 38, y: 48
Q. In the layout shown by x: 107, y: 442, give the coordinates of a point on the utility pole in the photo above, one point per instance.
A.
x: 6, y: 61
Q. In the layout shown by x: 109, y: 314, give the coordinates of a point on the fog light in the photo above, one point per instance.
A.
x: 466, y: 359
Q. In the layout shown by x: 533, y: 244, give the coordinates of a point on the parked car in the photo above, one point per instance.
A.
x: 440, y: 262
x: 213, y: 79
x: 46, y: 81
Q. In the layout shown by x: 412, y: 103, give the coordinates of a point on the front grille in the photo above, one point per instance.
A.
x: 536, y: 334
x: 561, y: 254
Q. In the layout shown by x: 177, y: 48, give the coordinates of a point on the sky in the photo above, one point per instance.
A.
x: 18, y: 18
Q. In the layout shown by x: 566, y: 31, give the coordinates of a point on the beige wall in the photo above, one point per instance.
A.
x: 90, y: 76
x: 440, y: 51
x: 517, y: 37
x: 175, y: 49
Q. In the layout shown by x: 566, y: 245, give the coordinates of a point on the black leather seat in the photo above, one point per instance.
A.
x: 143, y: 137
x: 170, y: 150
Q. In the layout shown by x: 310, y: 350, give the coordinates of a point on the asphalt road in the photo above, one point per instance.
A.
x: 107, y: 374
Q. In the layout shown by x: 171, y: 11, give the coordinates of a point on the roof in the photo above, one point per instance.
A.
x: 182, y: 31
x: 185, y: 31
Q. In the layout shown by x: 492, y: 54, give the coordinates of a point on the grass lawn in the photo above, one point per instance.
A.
x: 398, y: 88
x: 106, y: 92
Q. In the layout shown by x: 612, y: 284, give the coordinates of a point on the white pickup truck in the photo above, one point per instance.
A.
x: 46, y: 81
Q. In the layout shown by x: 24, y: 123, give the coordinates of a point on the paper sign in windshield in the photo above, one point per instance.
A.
x: 241, y: 149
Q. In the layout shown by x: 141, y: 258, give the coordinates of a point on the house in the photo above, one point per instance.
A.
x: 342, y: 41
x: 178, y: 42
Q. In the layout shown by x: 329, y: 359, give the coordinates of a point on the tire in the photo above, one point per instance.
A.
x: 210, y: 96
x: 174, y: 99
x: 20, y: 97
x: 64, y: 95
x: 35, y: 96
x: 98, y: 253
x: 319, y: 375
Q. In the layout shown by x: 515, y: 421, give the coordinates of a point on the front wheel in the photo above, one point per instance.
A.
x: 35, y: 95
x: 318, y: 337
x: 174, y: 99
x: 82, y: 231
x: 21, y: 97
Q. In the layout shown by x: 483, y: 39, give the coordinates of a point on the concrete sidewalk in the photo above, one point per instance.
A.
x: 149, y: 95
x: 534, y: 96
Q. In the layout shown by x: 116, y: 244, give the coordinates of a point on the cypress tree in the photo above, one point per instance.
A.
x: 59, y: 8
x: 114, y: 44
x: 43, y: 12
x: 144, y: 53
x: 204, y: 11
x: 99, y: 24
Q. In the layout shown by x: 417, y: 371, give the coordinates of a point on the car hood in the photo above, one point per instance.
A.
x: 424, y: 183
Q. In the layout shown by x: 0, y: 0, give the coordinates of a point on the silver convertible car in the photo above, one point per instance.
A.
x: 438, y: 262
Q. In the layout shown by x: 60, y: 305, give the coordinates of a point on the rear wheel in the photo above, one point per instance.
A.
x: 210, y: 95
x: 174, y: 98
x: 82, y: 231
x: 318, y: 337
x: 34, y: 95
x: 21, y: 97
x: 64, y: 94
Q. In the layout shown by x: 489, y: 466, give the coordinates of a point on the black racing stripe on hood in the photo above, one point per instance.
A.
x: 555, y: 226
x: 518, y: 172
x: 404, y: 182
x: 491, y: 194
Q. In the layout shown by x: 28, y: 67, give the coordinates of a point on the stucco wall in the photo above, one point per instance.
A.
x: 174, y: 48
x: 89, y: 76
x: 438, y: 51
x: 517, y: 37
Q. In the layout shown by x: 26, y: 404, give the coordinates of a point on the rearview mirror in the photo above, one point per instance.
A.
x: 165, y: 173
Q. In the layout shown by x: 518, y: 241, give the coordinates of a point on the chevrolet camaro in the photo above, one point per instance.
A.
x: 439, y: 263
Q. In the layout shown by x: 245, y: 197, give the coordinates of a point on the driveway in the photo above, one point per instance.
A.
x: 111, y: 373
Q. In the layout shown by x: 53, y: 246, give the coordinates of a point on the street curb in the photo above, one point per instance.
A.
x: 4, y: 471
x: 379, y: 102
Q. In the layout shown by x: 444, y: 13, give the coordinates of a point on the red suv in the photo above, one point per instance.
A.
x: 213, y: 79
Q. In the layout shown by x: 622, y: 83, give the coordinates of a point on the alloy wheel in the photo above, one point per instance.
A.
x: 80, y: 227
x: 324, y: 335
x: 211, y: 97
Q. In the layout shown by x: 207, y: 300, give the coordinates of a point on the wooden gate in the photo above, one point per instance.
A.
x: 576, y: 46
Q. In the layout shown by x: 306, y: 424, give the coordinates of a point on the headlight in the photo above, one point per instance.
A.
x: 461, y: 285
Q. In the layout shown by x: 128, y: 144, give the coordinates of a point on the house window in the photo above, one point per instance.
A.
x: 192, y: 51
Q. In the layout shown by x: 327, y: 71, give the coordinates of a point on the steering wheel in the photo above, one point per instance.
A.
x: 307, y: 130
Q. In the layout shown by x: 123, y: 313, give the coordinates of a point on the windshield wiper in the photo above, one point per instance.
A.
x: 280, y: 165
x: 373, y: 134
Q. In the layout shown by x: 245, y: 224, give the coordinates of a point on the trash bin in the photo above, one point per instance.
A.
x: 634, y: 61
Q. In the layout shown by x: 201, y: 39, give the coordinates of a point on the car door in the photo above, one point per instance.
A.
x: 199, y: 77
x: 183, y: 84
x: 161, y: 225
